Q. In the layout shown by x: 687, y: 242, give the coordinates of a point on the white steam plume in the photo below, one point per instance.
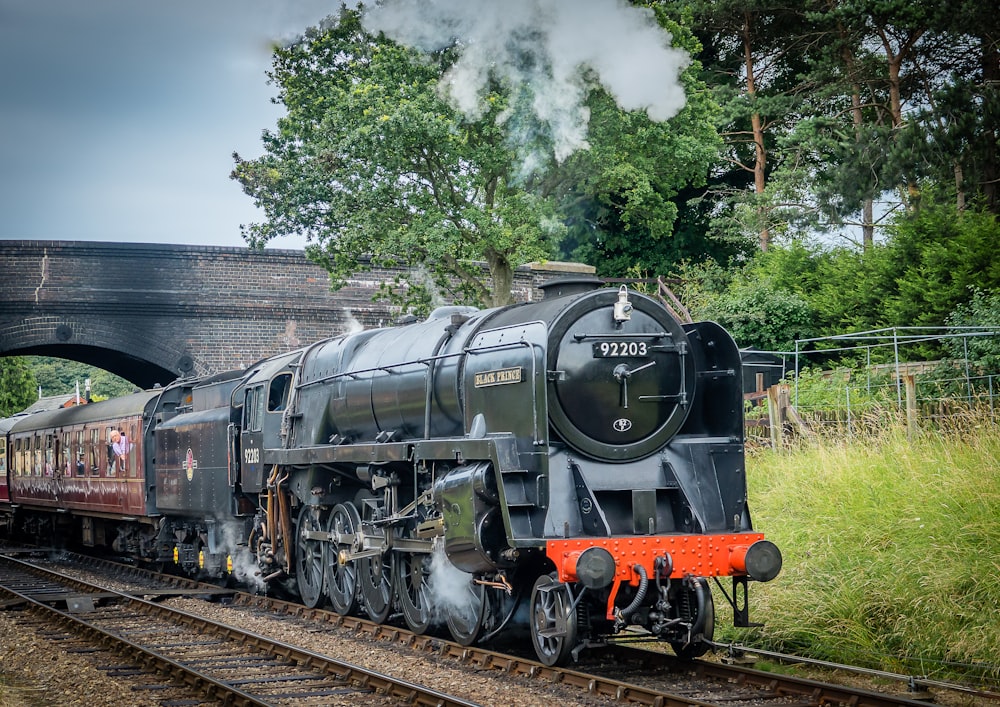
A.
x: 449, y: 588
x: 245, y: 569
x: 551, y: 49
x: 353, y: 326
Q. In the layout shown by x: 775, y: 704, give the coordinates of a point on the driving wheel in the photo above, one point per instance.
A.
x: 342, y: 574
x: 309, y: 558
x: 465, y: 615
x: 410, y: 575
x: 375, y: 578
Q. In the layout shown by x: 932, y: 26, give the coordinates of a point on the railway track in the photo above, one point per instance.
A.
x: 620, y: 674
x: 218, y: 663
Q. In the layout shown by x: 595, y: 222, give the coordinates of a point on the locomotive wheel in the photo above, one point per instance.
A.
x: 696, y: 648
x: 342, y: 578
x: 309, y: 558
x: 375, y: 580
x: 553, y: 621
x: 410, y: 581
x: 465, y: 617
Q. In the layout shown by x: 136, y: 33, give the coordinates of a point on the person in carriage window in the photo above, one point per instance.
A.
x: 120, y: 447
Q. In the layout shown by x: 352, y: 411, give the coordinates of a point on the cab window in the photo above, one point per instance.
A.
x: 253, y: 410
x: 277, y: 396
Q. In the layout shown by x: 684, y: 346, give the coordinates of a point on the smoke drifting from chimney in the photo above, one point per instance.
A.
x: 548, y: 53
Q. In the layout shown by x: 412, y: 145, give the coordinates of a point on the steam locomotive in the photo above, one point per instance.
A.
x: 572, y: 467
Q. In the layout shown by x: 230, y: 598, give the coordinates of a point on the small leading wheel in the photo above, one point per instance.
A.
x: 375, y: 580
x: 341, y: 574
x: 465, y: 614
x: 410, y: 576
x: 309, y: 558
x: 553, y: 621
x: 700, y: 643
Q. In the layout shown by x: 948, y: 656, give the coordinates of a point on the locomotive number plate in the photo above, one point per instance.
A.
x: 621, y: 349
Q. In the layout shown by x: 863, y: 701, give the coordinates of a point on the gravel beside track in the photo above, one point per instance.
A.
x: 36, y: 672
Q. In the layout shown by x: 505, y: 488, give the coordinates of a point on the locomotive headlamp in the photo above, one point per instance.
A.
x: 623, y: 308
x: 595, y: 568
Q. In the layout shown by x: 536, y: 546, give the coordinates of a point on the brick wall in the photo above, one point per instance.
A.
x: 150, y: 312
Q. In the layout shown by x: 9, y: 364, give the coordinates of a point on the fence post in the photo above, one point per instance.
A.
x: 774, y: 415
x: 910, y: 383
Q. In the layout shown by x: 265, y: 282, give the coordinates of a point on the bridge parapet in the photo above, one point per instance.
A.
x: 152, y: 312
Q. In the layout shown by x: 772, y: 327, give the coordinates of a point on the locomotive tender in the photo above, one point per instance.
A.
x: 574, y: 464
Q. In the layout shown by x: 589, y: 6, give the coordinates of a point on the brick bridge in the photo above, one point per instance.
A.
x: 150, y: 312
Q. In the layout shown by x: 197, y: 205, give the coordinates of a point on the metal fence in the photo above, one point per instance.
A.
x: 880, y: 387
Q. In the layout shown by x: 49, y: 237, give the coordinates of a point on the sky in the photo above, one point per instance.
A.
x: 118, y: 118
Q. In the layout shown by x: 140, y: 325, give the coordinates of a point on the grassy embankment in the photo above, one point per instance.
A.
x: 891, y: 551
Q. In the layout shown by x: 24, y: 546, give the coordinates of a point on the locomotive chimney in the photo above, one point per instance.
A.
x: 571, y: 285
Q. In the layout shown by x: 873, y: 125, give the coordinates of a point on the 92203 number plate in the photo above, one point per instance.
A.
x: 621, y: 349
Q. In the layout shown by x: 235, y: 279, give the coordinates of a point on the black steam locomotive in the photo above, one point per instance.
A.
x: 574, y: 465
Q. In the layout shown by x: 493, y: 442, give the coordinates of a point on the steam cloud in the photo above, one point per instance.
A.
x: 245, y: 569
x: 352, y: 325
x: 449, y: 588
x: 548, y: 52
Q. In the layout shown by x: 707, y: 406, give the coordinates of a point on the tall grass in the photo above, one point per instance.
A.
x: 891, y: 550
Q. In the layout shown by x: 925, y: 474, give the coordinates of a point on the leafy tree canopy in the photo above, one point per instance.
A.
x: 18, y: 388
x: 623, y: 197
x: 58, y: 376
x: 371, y: 161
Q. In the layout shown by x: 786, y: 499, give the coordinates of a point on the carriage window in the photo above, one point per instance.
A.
x: 18, y: 462
x: 50, y: 455
x: 66, y: 455
x: 80, y: 458
x: 132, y: 465
x: 277, y: 397
x: 111, y: 462
x: 95, y: 449
x: 3, y: 455
x: 36, y: 446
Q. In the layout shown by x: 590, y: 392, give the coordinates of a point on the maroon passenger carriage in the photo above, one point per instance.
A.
x: 5, y: 509
x: 165, y: 498
x: 63, y: 460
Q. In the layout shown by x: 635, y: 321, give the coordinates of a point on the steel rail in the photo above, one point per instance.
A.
x: 359, y: 677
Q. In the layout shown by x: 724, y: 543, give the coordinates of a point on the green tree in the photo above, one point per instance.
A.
x: 757, y: 311
x: 753, y: 58
x: 371, y: 161
x: 935, y: 257
x: 18, y: 388
x: 58, y: 376
x: 982, y: 310
x: 622, y: 198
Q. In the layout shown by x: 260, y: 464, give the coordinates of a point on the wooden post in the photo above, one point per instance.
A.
x: 910, y: 385
x: 774, y: 414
